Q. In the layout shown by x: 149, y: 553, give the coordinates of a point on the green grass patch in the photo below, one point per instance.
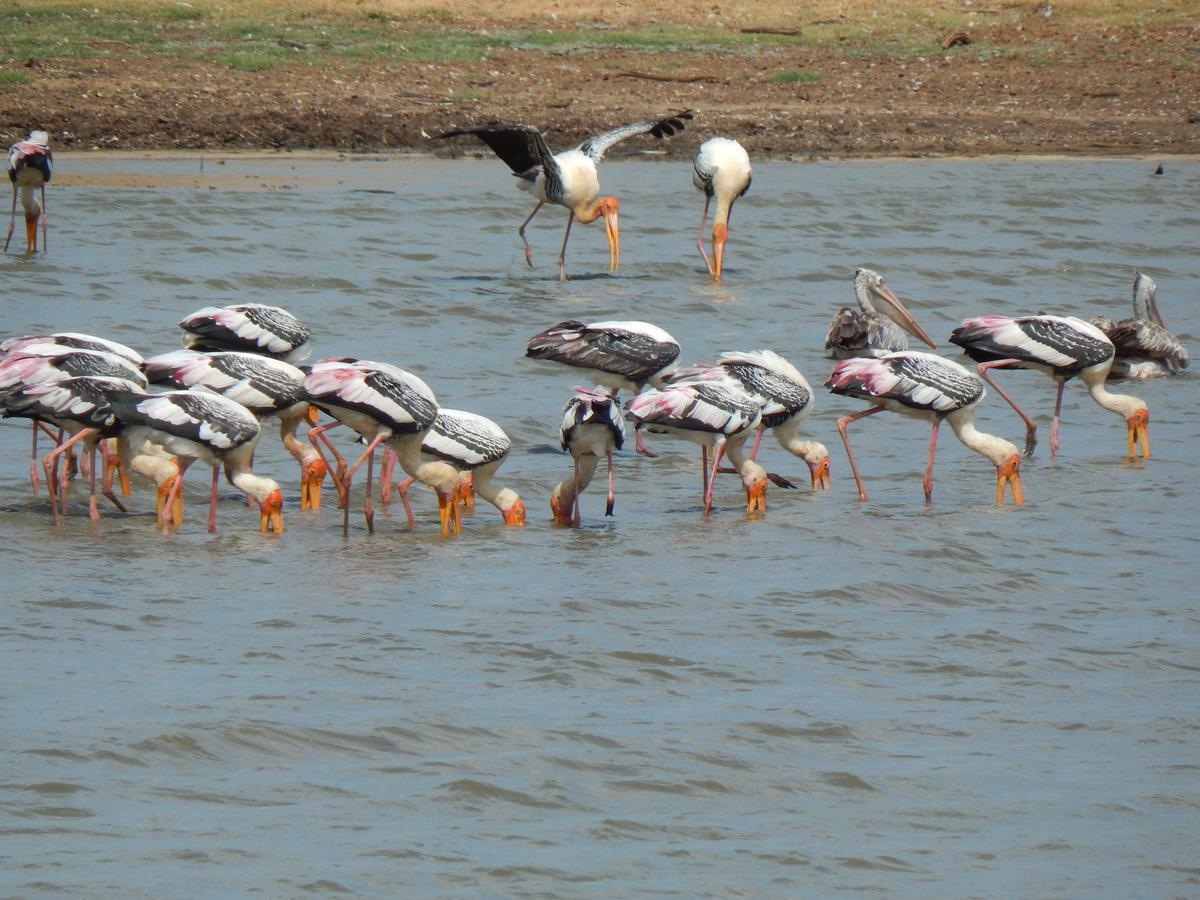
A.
x: 253, y: 59
x: 793, y: 76
x: 13, y: 76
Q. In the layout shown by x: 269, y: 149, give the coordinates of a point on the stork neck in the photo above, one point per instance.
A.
x: 996, y: 449
x: 29, y: 200
x: 247, y: 482
x: 565, y: 490
x: 303, y: 451
x: 440, y: 476
x: 1123, y: 405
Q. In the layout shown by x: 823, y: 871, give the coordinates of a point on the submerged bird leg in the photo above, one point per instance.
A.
x: 639, y: 444
x: 166, y: 516
x: 212, y: 499
x: 521, y: 232
x: 93, y: 512
x: 366, y: 455
x: 562, y: 254
x: 700, y: 243
x: 368, y: 510
x: 1030, y: 426
x: 704, y: 470
x: 386, y: 467
x: 718, y: 452
x: 612, y: 494
x: 776, y: 479
x: 933, y: 436
x: 12, y: 221
x: 576, y: 513
x: 50, y: 465
x: 112, y: 463
x: 1062, y: 383
x: 338, y: 472
x: 402, y: 490
x: 45, y: 243
x: 841, y: 426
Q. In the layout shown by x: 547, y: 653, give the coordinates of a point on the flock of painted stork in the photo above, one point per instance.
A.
x: 238, y: 368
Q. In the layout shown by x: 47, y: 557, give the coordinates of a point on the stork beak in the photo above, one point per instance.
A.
x: 720, y: 234
x: 1139, y: 432
x: 464, y: 491
x: 312, y: 476
x: 820, y: 474
x: 31, y: 224
x: 448, y: 513
x: 562, y: 514
x: 614, y: 240
x: 902, y: 317
x: 160, y: 500
x: 515, y: 514
x: 270, y: 517
x: 756, y: 497
x: 1009, y: 472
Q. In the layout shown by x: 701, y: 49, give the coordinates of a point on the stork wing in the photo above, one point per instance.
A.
x: 522, y: 147
x: 597, y: 145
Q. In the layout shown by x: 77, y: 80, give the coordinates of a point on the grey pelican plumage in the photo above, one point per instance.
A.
x: 1063, y: 348
x: 714, y: 414
x: 569, y: 178
x: 721, y: 169
x: 199, y: 425
x: 1144, y: 346
x: 786, y: 399
x: 592, y: 426
x: 385, y: 405
x: 30, y: 167
x: 928, y: 387
x: 475, y: 446
x: 867, y: 332
x: 248, y: 327
x: 265, y: 386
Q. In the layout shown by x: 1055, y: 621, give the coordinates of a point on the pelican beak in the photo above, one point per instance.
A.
x: 312, y: 476
x: 448, y: 512
x: 562, y: 513
x: 31, y: 224
x: 720, y: 234
x: 756, y: 497
x: 898, y: 313
x: 312, y: 414
x: 1139, y: 432
x: 1009, y: 472
x: 820, y: 474
x: 610, y: 229
x: 270, y: 516
x: 515, y: 514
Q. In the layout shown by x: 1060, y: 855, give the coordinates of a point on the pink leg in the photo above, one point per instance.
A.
x: 841, y: 426
x: 402, y: 490
x: 212, y: 500
x: 757, y: 439
x: 612, y: 494
x: 704, y: 469
x: 718, y: 452
x: 93, y: 512
x: 1062, y: 383
x: 576, y: 514
x: 562, y: 254
x: 639, y: 443
x: 12, y: 221
x: 368, y: 509
x: 386, y: 466
x: 700, y: 239
x: 520, y: 230
x: 1030, y: 426
x: 176, y: 489
x: 316, y: 436
x: 111, y: 461
x: 929, y: 466
x: 50, y: 465
x: 369, y: 452
x: 45, y: 217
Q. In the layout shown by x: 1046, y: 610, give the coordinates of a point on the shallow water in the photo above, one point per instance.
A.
x: 864, y: 698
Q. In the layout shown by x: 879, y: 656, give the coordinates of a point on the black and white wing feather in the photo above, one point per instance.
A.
x: 465, y: 440
x: 84, y: 399
x: 709, y: 407
x: 590, y: 408
x: 597, y: 145
x: 249, y: 327
x: 262, y: 384
x: 216, y: 423
x: 919, y: 381
x: 634, y: 350
x: 521, y: 147
x: 390, y: 396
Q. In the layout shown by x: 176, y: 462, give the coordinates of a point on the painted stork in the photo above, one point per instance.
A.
x: 30, y: 165
x: 250, y: 328
x: 616, y: 355
x: 592, y: 426
x: 721, y: 169
x: 198, y: 425
x: 265, y: 386
x: 928, y: 387
x: 713, y: 414
x: 80, y: 407
x: 383, y: 404
x: 476, y: 446
x: 1063, y: 348
x: 569, y: 178
x: 786, y: 399
x: 864, y: 331
x: 1145, y: 348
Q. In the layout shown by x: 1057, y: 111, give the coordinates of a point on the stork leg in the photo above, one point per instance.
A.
x: 402, y: 490
x: 841, y: 426
x: 167, y: 515
x: 50, y: 463
x: 12, y: 221
x: 704, y: 469
x: 1062, y: 383
x: 700, y: 240
x: 386, y: 466
x: 520, y: 229
x: 45, y: 242
x: 718, y: 452
x: 612, y: 494
x: 368, y: 453
x: 775, y: 478
x: 212, y: 500
x: 562, y: 254
x: 640, y: 444
x: 576, y: 515
x: 368, y: 509
x: 1030, y: 426
x: 112, y: 463
x: 316, y: 436
x: 929, y: 465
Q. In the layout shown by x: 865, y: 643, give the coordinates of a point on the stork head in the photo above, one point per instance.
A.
x: 514, y: 514
x: 561, y: 510
x: 1139, y: 432
x: 606, y: 207
x: 312, y: 476
x: 270, y: 512
x: 820, y: 473
x: 1009, y: 472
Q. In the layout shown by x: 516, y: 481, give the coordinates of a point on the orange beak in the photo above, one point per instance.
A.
x: 1139, y: 432
x: 820, y: 474
x: 270, y: 516
x: 515, y: 514
x: 448, y: 512
x: 31, y: 224
x: 614, y: 239
x: 160, y: 500
x: 464, y: 491
x: 312, y: 476
x: 756, y: 497
x: 720, y: 233
x: 1009, y: 472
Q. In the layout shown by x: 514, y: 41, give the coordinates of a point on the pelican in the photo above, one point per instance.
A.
x: 863, y: 331
x: 592, y: 426
x: 721, y: 169
x: 1063, y: 348
x: 1145, y: 348
x: 568, y: 178
x: 713, y: 414
x: 928, y: 387
x: 30, y: 165
x: 249, y: 327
